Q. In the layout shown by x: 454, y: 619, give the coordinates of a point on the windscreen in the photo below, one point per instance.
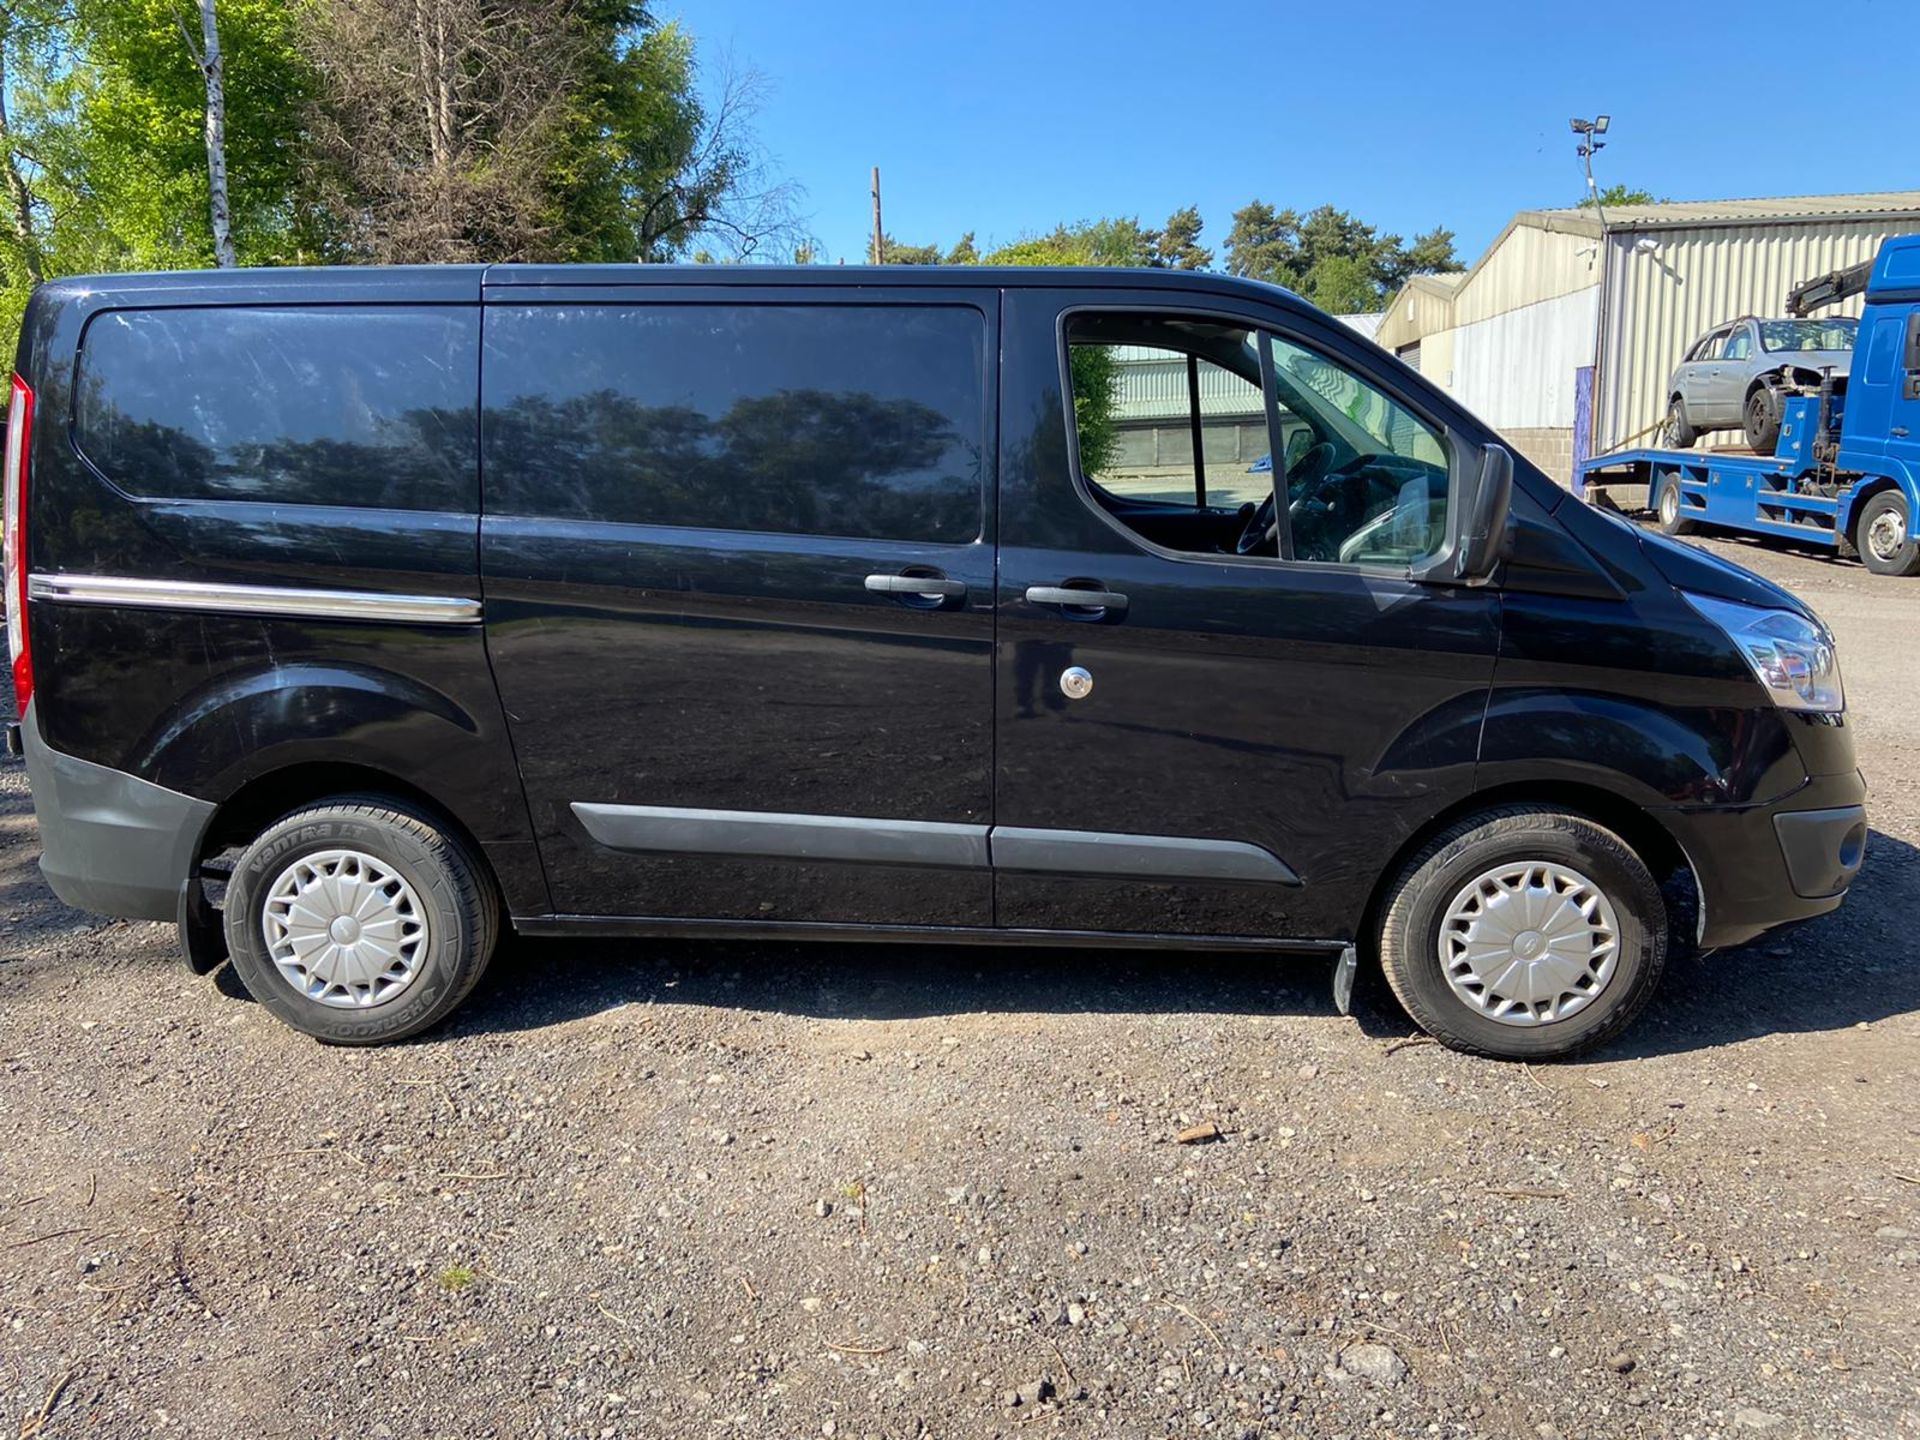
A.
x: 1833, y: 334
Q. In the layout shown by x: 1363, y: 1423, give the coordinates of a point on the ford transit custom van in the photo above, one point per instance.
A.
x: 360, y: 616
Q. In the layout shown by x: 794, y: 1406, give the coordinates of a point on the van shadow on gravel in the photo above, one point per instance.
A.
x: 1836, y: 972
x: 542, y: 982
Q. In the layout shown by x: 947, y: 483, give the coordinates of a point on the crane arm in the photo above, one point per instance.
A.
x: 1828, y: 289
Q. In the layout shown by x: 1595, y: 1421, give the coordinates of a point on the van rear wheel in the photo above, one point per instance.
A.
x: 360, y: 920
x: 1524, y: 934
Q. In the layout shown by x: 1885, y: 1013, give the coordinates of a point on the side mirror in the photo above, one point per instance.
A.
x: 1485, y: 531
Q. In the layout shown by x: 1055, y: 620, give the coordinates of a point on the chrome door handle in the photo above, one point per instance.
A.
x: 931, y: 586
x: 1067, y: 595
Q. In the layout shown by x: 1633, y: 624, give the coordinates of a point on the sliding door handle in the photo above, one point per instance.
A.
x: 1073, y: 597
x: 917, y: 587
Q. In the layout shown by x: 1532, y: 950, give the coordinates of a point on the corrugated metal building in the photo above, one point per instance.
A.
x: 1151, y: 405
x: 1509, y: 336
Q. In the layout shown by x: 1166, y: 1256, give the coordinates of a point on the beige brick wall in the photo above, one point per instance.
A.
x: 1551, y: 450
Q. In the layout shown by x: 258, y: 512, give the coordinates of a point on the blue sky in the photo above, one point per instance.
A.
x: 1007, y: 116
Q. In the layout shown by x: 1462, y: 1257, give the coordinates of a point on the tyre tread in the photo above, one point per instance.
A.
x: 1516, y: 819
x: 471, y: 885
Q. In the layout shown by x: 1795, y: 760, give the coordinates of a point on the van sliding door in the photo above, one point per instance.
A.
x: 738, y: 564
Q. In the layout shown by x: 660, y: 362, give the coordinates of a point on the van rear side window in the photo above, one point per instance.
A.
x: 864, y: 421
x: 326, y: 405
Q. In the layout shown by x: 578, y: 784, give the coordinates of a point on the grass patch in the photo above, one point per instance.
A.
x: 456, y: 1278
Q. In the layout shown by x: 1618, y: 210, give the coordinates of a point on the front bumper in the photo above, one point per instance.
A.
x: 1762, y: 866
x: 111, y: 842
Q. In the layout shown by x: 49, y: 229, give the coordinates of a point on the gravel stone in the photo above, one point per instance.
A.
x: 493, y: 1229
x: 1375, y: 1362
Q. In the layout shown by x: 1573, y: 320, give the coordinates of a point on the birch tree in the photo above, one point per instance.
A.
x: 212, y: 70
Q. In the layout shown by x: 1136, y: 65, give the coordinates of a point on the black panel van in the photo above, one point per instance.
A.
x: 359, y: 616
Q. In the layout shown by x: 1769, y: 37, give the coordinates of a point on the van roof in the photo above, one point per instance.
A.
x: 449, y: 283
x: 1051, y: 277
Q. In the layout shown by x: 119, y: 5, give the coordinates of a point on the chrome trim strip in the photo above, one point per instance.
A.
x: 275, y: 600
x: 771, y: 835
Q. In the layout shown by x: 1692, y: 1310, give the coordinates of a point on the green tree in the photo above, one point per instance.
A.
x: 1431, y: 254
x: 1095, y: 371
x: 1328, y: 233
x: 1331, y: 256
x: 24, y: 37
x: 964, y: 251
x: 1621, y: 195
x: 1114, y: 241
x: 1342, y: 285
x: 1264, y: 244
x: 549, y: 130
x: 104, y: 131
x: 642, y: 164
x: 893, y: 252
x: 1178, y: 247
x: 132, y: 109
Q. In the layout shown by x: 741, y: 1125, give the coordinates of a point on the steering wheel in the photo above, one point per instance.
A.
x: 1262, y: 529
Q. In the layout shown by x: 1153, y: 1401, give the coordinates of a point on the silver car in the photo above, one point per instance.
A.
x: 1738, y: 375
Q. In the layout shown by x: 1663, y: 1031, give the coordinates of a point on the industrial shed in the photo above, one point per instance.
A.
x: 1513, y: 337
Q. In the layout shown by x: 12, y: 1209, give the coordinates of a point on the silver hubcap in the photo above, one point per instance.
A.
x: 1670, y: 503
x: 1887, y: 534
x: 344, y: 929
x: 1528, y: 943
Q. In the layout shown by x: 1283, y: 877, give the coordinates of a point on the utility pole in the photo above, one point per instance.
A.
x: 879, y: 245
x: 1590, y: 144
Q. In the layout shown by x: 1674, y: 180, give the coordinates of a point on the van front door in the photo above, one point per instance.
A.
x: 738, y: 569
x: 1238, y: 725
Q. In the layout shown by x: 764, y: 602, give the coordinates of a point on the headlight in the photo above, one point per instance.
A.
x: 1793, y: 657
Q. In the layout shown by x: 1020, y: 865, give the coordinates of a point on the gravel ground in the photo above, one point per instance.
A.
x: 677, y: 1189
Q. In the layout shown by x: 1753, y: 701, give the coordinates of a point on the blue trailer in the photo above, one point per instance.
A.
x: 1845, y: 473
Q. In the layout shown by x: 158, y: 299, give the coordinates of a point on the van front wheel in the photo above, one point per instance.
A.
x: 1525, y: 934
x: 360, y: 921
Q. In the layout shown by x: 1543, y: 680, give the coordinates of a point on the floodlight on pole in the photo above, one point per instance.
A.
x: 1589, y: 133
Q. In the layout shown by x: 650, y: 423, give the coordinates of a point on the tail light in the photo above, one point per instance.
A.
x: 19, y: 438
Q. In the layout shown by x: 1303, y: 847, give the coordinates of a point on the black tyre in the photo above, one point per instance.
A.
x: 360, y: 920
x: 1667, y: 509
x: 1884, y: 535
x: 1524, y: 934
x: 1677, y: 432
x: 1760, y: 417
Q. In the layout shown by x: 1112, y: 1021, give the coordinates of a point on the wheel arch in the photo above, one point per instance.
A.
x: 1848, y: 519
x: 274, y: 793
x: 1642, y: 831
x: 261, y: 741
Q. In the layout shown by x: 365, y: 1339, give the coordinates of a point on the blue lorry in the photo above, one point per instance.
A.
x: 1845, y: 473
